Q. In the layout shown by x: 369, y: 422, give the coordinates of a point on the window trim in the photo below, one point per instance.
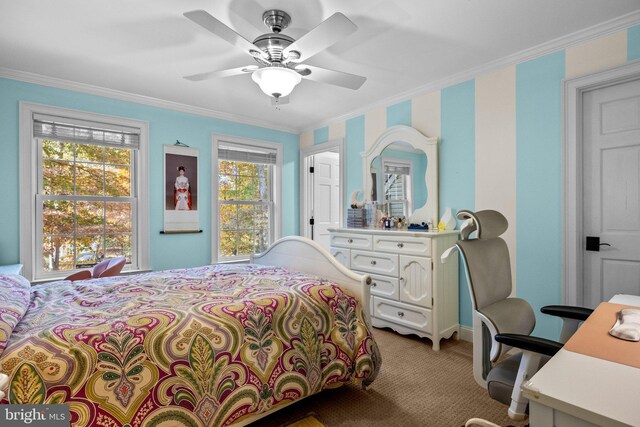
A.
x: 277, y: 188
x: 28, y: 174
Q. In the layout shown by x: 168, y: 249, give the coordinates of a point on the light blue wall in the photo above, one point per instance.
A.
x: 354, y: 146
x: 538, y: 251
x: 165, y: 127
x: 457, y: 164
x: 633, y: 43
x: 399, y: 114
x: 321, y: 135
x: 539, y: 185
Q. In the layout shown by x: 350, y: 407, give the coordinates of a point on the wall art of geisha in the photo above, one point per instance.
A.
x: 181, y: 182
x: 180, y: 188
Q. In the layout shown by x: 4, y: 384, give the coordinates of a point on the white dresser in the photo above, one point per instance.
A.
x: 410, y: 292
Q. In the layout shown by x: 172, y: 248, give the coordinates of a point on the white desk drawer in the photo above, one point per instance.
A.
x: 383, y: 286
x: 375, y: 262
x: 402, y: 314
x: 402, y: 245
x: 351, y: 240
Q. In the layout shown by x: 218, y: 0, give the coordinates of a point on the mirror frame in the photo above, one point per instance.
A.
x: 401, y: 133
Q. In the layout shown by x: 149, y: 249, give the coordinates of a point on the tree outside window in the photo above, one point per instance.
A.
x: 87, y: 204
x: 246, y: 208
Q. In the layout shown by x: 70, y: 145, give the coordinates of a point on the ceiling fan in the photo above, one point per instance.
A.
x: 279, y: 56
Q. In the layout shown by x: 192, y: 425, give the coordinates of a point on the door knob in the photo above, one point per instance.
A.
x: 593, y: 243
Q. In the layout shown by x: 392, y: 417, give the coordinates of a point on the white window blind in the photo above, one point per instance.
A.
x: 104, y: 134
x: 396, y: 168
x: 246, y: 153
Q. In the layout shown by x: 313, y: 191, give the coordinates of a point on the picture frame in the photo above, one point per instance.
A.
x: 181, y: 199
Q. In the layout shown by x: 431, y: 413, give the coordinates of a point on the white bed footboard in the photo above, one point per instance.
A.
x: 301, y: 254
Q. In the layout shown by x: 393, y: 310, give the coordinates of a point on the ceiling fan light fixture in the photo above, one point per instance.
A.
x: 276, y: 81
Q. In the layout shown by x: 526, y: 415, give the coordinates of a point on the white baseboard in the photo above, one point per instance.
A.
x: 466, y: 333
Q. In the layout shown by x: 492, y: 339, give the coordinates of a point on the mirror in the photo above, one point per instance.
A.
x: 401, y: 174
x: 397, y: 176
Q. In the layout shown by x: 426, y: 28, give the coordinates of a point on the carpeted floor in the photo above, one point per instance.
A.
x: 416, y: 387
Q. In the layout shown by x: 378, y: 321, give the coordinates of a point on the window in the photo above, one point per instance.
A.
x: 397, y: 186
x: 86, y: 185
x: 247, y: 187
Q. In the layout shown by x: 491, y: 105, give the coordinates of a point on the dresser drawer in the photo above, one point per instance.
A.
x: 383, y: 286
x: 408, y: 245
x: 351, y: 240
x: 375, y: 262
x: 402, y: 314
x: 343, y: 256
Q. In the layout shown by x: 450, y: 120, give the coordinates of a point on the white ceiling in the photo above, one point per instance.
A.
x: 145, y: 47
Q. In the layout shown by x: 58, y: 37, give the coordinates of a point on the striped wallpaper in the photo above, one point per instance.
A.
x: 500, y: 148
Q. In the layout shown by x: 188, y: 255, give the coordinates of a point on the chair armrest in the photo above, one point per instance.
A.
x: 567, y: 311
x: 80, y: 275
x: 529, y: 343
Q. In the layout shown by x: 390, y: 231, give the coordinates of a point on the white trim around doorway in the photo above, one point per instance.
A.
x: 573, y: 238
x: 336, y: 146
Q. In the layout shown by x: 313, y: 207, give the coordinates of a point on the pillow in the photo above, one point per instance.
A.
x: 627, y: 325
x: 15, y: 294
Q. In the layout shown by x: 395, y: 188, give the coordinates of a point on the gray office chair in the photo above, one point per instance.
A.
x: 501, y: 322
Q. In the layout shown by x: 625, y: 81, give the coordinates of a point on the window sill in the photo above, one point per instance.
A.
x: 235, y: 261
x: 59, y: 278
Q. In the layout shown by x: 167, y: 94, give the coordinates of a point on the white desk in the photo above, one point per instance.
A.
x: 580, y: 391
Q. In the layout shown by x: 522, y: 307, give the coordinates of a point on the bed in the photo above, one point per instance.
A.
x: 208, y: 346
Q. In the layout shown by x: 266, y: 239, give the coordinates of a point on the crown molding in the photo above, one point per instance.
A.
x: 617, y: 24
x: 40, y: 79
x: 599, y: 30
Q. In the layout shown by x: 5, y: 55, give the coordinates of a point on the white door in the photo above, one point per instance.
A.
x: 326, y: 195
x: 611, y: 174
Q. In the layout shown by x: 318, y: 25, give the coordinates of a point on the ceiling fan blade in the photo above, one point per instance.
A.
x: 222, y: 73
x: 208, y: 22
x: 338, y: 78
x: 328, y: 32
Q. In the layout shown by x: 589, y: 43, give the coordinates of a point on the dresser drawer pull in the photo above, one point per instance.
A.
x: 373, y: 262
x: 350, y: 241
x: 374, y: 284
x: 402, y: 279
x: 400, y: 314
x: 401, y: 245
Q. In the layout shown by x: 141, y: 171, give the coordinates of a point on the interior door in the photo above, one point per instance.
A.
x: 611, y: 174
x: 326, y: 195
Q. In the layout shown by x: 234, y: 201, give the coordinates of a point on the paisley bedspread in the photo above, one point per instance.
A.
x: 206, y: 346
